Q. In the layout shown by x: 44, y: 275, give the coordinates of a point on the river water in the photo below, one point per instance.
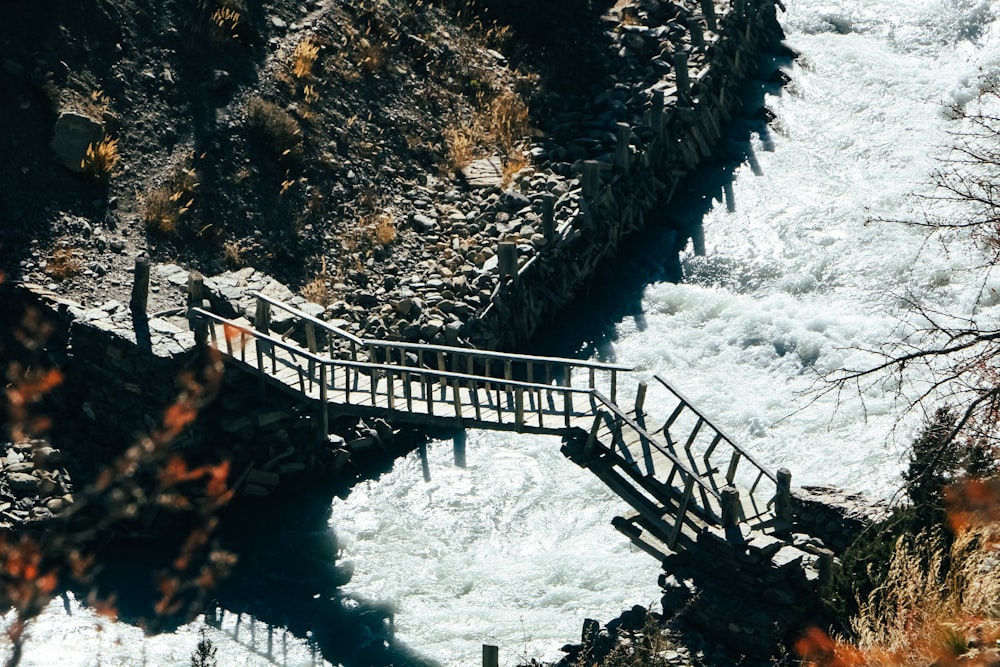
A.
x: 517, y: 549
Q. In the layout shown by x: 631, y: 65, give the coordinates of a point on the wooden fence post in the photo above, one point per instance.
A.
x: 507, y: 259
x: 681, y: 76
x: 262, y: 316
x: 491, y: 656
x: 708, y: 9
x: 195, y: 288
x: 730, y: 506
x: 656, y: 112
x: 140, y: 284
x: 549, y: 217
x: 783, y: 495
x: 623, y: 135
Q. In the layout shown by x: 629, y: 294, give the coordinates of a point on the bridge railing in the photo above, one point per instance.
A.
x: 716, y: 457
x: 691, y: 493
x: 414, y: 389
x: 469, y: 361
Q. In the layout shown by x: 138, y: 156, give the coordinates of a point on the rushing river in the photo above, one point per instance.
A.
x: 517, y: 549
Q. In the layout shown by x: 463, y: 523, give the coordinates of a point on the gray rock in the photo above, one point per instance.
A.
x: 485, y: 173
x: 72, y: 134
x: 423, y: 223
x: 22, y: 484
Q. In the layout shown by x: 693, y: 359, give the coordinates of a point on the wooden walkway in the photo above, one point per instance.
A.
x: 679, y: 474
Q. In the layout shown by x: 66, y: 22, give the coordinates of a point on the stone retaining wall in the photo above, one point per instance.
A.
x: 636, y: 176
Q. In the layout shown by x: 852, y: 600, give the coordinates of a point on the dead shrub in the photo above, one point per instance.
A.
x: 506, y: 118
x: 164, y: 207
x: 276, y: 127
x: 462, y: 144
x: 64, y: 263
x: 382, y: 229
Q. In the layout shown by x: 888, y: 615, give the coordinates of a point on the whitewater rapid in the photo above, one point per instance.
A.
x: 516, y: 550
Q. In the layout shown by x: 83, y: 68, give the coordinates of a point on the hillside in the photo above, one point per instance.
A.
x: 297, y: 138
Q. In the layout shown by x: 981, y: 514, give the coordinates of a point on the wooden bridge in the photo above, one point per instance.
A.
x: 680, y: 473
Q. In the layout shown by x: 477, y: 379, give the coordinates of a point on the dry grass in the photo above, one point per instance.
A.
x: 233, y: 254
x: 226, y: 22
x: 102, y: 159
x: 275, y: 126
x: 64, y: 263
x: 512, y: 166
x: 318, y: 289
x: 462, y: 146
x: 381, y: 230
x: 164, y: 207
x: 932, y: 603
x: 499, y: 125
x: 304, y: 58
x: 507, y: 119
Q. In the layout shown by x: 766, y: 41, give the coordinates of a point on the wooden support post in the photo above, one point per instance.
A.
x: 730, y: 506
x: 324, y: 407
x: 681, y: 76
x: 549, y: 217
x: 708, y: 9
x: 656, y: 112
x: 201, y: 325
x: 697, y: 36
x: 640, y: 399
x: 491, y: 656
x: 591, y: 179
x: 458, y: 444
x: 730, y: 198
x: 507, y: 259
x: 698, y: 240
x: 623, y: 137
x: 826, y: 564
x: 424, y: 465
x: 783, y: 495
x: 262, y: 316
x: 140, y: 285
x: 195, y: 288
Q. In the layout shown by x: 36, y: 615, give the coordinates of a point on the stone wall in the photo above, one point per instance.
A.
x: 623, y: 187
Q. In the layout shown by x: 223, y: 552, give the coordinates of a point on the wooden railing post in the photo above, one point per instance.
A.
x: 140, y: 284
x: 491, y: 656
x: 195, y: 289
x: 681, y: 76
x: 656, y: 112
x: 262, y: 316
x: 507, y: 259
x: 623, y: 136
x: 783, y: 496
x: 324, y: 407
x: 548, y: 217
x: 708, y: 9
x: 730, y: 506
x: 640, y: 399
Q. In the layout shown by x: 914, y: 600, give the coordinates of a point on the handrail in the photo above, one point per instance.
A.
x: 432, y: 347
x: 369, y: 366
x: 625, y: 419
x: 743, y: 453
x: 309, y: 318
